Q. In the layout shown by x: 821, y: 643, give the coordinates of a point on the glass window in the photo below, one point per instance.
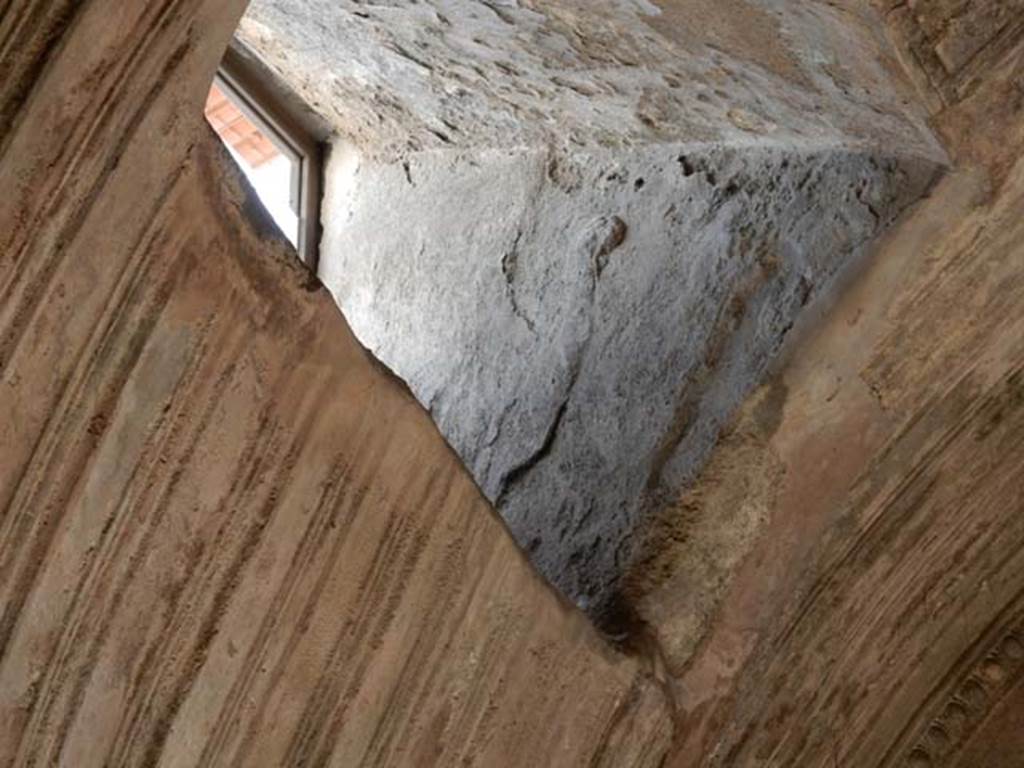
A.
x: 272, y: 169
x: 280, y: 159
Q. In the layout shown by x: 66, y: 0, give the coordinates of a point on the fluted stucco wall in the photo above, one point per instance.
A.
x: 227, y: 536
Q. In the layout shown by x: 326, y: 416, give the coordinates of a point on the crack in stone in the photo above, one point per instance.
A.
x: 509, y: 265
x: 517, y: 473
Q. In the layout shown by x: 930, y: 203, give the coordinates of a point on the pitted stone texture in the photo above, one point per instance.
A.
x: 582, y: 326
x: 398, y: 76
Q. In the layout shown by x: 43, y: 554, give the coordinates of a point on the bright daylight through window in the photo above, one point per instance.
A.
x: 270, y: 167
x: 278, y: 157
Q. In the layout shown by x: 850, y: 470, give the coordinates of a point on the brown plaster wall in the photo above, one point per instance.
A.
x: 863, y: 518
x: 227, y: 536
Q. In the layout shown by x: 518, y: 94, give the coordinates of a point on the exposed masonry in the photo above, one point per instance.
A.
x: 582, y: 234
x: 584, y: 360
x: 396, y: 77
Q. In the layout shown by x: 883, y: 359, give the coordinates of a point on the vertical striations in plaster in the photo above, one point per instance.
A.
x: 227, y: 536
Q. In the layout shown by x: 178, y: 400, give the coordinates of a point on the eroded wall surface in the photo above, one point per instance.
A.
x: 844, y: 584
x: 227, y: 536
x: 582, y: 232
x: 396, y: 77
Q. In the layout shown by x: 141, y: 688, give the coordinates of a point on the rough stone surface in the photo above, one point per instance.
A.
x: 581, y: 328
x: 581, y: 233
x: 228, y: 536
x: 398, y: 76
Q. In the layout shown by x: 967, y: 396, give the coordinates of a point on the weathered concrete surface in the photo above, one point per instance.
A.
x: 581, y: 232
x: 844, y: 584
x: 227, y: 537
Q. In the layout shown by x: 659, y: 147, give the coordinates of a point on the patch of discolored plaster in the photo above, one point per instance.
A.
x: 688, y: 549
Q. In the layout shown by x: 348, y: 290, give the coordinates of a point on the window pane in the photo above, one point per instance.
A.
x: 269, y: 170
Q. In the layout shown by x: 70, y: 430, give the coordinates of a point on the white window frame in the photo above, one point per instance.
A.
x: 245, y: 87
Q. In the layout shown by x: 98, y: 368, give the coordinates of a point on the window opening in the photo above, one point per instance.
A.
x: 280, y: 160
